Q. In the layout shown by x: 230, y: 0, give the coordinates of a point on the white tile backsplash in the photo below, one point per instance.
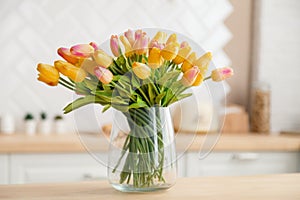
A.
x: 278, y: 61
x: 32, y: 30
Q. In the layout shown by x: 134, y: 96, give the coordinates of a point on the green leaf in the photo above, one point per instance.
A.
x: 82, y: 102
x: 159, y: 97
x: 106, y: 107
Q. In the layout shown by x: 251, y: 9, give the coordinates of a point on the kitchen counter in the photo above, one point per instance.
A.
x: 265, y: 187
x: 20, y: 143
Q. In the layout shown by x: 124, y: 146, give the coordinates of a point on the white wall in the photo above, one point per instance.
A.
x: 278, y: 59
x: 32, y: 30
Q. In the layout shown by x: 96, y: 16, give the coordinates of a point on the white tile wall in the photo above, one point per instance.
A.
x: 32, y: 30
x: 279, y: 59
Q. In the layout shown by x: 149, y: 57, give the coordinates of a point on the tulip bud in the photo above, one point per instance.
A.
x: 203, y: 62
x: 127, y: 45
x: 188, y: 63
x: 170, y: 51
x: 182, y: 53
x: 74, y: 73
x: 114, y: 45
x: 140, y: 45
x: 102, y: 58
x: 48, y: 74
x: 130, y: 36
x: 172, y: 39
x: 103, y: 74
x: 82, y: 50
x: 190, y: 76
x: 154, y: 59
x: 65, y: 53
x: 88, y: 65
x: 221, y: 74
x: 141, y: 70
x: 138, y: 34
x: 94, y: 45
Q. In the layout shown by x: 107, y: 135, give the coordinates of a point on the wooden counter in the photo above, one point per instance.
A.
x: 266, y: 187
x: 20, y: 143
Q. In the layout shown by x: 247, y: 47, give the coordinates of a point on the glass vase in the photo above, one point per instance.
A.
x: 142, y: 155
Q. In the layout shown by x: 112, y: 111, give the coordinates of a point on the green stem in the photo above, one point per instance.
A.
x: 65, y: 85
x: 209, y: 77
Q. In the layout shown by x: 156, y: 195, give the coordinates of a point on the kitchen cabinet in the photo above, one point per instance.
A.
x: 4, y: 169
x: 242, y: 163
x: 40, y: 168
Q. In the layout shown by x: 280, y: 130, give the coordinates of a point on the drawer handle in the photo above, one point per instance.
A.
x: 244, y: 156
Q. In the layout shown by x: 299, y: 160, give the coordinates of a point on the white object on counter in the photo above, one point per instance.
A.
x: 7, y: 124
x: 59, y: 126
x: 30, y: 127
x: 44, y: 127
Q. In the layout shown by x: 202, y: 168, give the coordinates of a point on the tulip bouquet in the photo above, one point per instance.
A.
x: 142, y: 73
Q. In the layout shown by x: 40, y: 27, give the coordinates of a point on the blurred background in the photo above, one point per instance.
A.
x: 258, y: 38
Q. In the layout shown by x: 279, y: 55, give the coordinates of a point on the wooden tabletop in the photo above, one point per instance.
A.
x: 266, y: 187
x: 21, y: 143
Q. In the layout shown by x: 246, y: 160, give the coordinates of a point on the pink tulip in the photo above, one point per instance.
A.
x: 130, y: 36
x: 221, y: 74
x: 190, y: 76
x: 82, y: 50
x: 140, y: 45
x: 94, y: 45
x: 114, y: 45
x: 155, y: 43
x: 138, y: 34
x: 65, y: 53
x: 103, y: 74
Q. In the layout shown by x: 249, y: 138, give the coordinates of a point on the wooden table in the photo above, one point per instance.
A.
x: 266, y: 187
x: 20, y: 143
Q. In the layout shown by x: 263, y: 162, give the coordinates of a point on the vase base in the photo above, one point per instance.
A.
x: 131, y: 189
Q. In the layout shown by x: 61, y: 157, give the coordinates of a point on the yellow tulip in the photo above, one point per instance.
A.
x: 141, y: 70
x: 170, y: 51
x: 203, y: 62
x: 182, y: 53
x: 102, y: 58
x: 188, y: 63
x: 198, y: 80
x: 74, y: 73
x: 48, y: 74
x: 221, y: 74
x: 160, y: 37
x: 127, y: 45
x: 155, y: 59
x: 172, y: 39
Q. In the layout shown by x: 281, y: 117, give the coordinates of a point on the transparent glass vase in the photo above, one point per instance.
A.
x: 142, y: 154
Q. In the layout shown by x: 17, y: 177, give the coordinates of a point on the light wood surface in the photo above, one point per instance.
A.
x: 266, y: 187
x: 20, y: 143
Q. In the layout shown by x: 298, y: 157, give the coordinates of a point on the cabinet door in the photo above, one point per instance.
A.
x: 4, y: 173
x: 243, y: 163
x: 39, y: 168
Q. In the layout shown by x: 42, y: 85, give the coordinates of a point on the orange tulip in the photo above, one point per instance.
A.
x: 182, y: 53
x: 74, y: 73
x: 188, y: 63
x: 170, y: 51
x: 155, y: 60
x: 48, y: 74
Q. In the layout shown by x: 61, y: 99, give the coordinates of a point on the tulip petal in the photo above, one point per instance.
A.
x: 82, y: 50
x: 103, y: 74
x: 65, y: 53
